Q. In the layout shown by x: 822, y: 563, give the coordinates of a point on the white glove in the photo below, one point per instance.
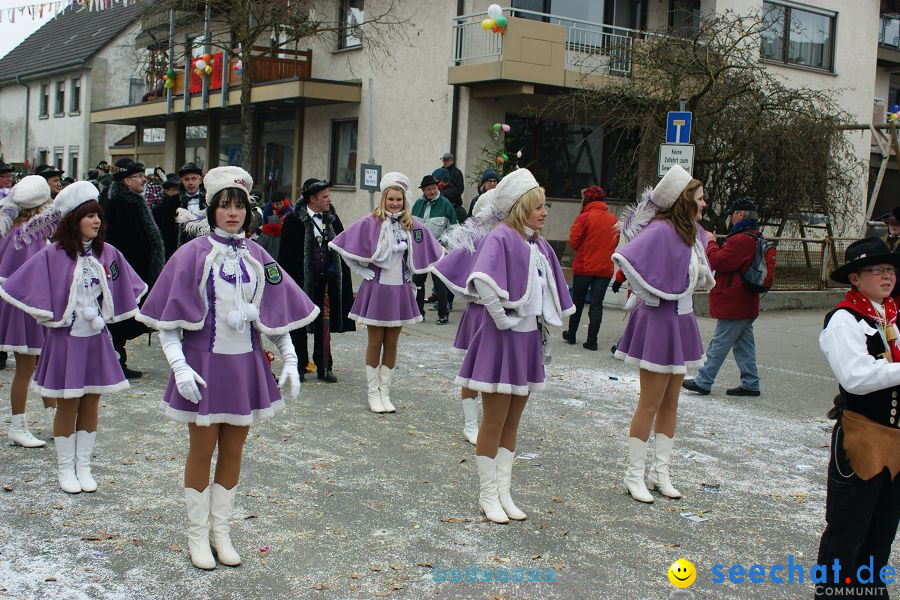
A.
x: 364, y: 272
x: 290, y: 374
x: 186, y: 379
x: 491, y: 302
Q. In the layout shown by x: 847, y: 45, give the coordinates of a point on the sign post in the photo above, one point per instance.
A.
x: 678, y: 127
x: 676, y: 154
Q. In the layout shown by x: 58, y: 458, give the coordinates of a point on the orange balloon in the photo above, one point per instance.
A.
x: 496, y: 29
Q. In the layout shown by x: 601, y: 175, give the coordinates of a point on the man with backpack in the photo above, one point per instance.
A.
x: 733, y: 303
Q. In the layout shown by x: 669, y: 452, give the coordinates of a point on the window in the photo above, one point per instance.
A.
x: 43, y: 157
x: 684, y: 17
x: 58, y: 159
x: 75, y: 96
x: 136, y: 91
x: 350, y: 19
x: 45, y: 101
x: 73, y: 163
x: 60, y: 98
x: 798, y: 37
x: 343, y: 152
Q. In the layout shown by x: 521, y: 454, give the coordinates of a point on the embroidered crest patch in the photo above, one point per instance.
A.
x: 273, y: 273
x: 114, y: 270
x: 418, y: 236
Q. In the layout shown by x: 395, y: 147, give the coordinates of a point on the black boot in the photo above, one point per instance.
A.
x: 326, y: 376
x: 591, y: 343
x: 569, y: 336
x: 3, y: 356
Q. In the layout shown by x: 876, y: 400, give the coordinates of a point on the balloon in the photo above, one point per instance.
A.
x: 499, y: 160
x: 496, y: 28
x: 505, y: 157
x: 208, y: 70
x: 496, y: 126
x: 169, y: 84
x: 895, y: 108
x: 171, y: 73
x: 494, y: 11
x: 200, y: 64
x: 501, y: 21
x: 519, y: 154
x: 505, y: 127
x: 207, y: 58
x: 487, y: 24
x: 893, y: 116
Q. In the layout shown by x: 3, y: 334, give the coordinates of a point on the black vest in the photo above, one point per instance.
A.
x: 880, y: 406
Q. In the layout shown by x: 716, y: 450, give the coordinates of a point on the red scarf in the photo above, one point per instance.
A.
x: 860, y: 304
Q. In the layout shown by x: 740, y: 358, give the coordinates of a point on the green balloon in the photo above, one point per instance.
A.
x: 501, y: 21
x: 496, y: 127
x: 505, y: 157
x: 171, y: 73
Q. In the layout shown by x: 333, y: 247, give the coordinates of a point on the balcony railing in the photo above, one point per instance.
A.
x: 889, y: 34
x: 590, y: 47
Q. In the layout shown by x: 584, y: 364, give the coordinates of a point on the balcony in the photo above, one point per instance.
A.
x: 282, y: 77
x: 889, y: 42
x: 537, y: 49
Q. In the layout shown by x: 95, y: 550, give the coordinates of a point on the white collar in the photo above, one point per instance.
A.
x: 529, y: 232
x: 222, y: 233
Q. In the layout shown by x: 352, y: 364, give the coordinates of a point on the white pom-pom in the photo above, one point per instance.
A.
x: 89, y: 313
x: 97, y: 324
x: 234, y: 319
x: 252, y: 312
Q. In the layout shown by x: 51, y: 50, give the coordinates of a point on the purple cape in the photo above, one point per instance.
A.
x: 454, y: 268
x: 503, y: 261
x: 174, y: 303
x: 44, y: 286
x: 360, y: 242
x: 659, y: 261
x: 11, y: 258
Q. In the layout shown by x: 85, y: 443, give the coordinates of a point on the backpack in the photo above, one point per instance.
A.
x: 760, y: 275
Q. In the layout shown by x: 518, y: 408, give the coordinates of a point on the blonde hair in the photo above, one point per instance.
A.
x: 528, y: 202
x: 406, y: 221
x: 683, y: 214
x: 28, y: 213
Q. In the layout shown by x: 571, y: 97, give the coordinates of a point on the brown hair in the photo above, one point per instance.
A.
x: 381, y: 212
x: 683, y: 214
x: 27, y: 213
x: 518, y: 214
x: 68, y: 233
x: 228, y: 196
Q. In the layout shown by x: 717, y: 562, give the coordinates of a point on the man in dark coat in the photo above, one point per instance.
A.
x: 53, y: 177
x: 131, y: 229
x: 456, y: 176
x: 164, y: 213
x: 192, y: 194
x: 319, y: 270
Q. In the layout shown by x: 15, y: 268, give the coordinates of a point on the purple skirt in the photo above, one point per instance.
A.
x: 658, y: 339
x: 240, y: 388
x: 502, y: 362
x: 71, y: 366
x: 19, y: 332
x: 385, y: 305
x: 469, y: 323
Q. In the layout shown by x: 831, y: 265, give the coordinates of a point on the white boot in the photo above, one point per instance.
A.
x: 386, y: 376
x: 489, y: 496
x: 634, y: 475
x: 65, y: 463
x: 470, y: 419
x: 198, y: 528
x: 658, y: 479
x: 373, y: 379
x: 504, y: 462
x: 221, y: 507
x: 84, y: 448
x: 49, y: 418
x: 20, y: 435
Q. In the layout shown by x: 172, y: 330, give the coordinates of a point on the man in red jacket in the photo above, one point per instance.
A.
x: 594, y: 237
x: 733, y: 304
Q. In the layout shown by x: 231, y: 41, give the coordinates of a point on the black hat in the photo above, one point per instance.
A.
x: 428, y: 180
x: 5, y: 168
x: 189, y: 168
x: 125, y: 167
x: 171, y: 180
x: 862, y: 253
x: 46, y: 171
x: 744, y: 203
x: 313, y: 186
x: 103, y: 165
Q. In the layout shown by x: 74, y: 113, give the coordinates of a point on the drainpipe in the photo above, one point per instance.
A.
x: 454, y: 116
x: 27, y: 108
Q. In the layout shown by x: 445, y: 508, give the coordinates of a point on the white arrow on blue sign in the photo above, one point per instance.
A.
x: 678, y: 127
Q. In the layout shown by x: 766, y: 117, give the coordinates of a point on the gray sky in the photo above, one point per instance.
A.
x: 12, y: 34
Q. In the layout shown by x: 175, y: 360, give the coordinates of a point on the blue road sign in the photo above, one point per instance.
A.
x: 678, y: 127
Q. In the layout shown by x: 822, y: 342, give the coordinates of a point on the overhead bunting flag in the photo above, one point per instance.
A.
x: 39, y: 10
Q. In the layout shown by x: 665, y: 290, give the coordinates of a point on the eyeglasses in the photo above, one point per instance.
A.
x: 879, y: 271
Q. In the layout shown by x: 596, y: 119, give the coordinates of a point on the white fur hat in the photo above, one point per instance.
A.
x: 512, y: 187
x: 31, y: 192
x: 222, y: 178
x: 670, y: 187
x: 74, y: 195
x: 484, y: 204
x: 395, y: 179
